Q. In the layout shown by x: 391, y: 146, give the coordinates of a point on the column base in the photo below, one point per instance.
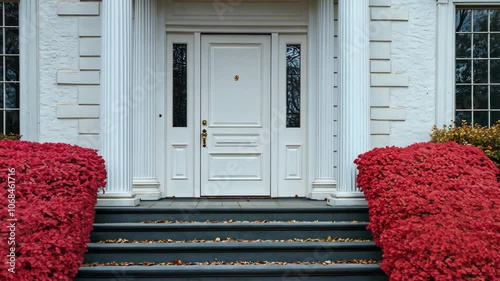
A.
x: 322, y: 189
x: 147, y: 189
x: 347, y: 199
x: 118, y: 199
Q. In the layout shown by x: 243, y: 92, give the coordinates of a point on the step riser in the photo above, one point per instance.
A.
x: 318, y: 254
x: 264, y: 234
x: 238, y: 272
x: 223, y: 215
x: 285, y: 277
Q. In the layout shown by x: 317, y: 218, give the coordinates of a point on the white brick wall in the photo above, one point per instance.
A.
x: 70, y: 49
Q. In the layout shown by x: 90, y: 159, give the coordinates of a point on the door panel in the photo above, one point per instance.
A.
x: 235, y: 101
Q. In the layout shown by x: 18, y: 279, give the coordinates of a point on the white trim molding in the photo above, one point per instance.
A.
x: 29, y: 80
x: 324, y: 182
x: 146, y: 185
x: 354, y: 32
x: 445, y: 52
x: 116, y: 100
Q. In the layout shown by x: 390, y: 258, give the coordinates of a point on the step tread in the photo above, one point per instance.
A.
x: 230, y: 225
x: 262, y: 270
x: 232, y: 245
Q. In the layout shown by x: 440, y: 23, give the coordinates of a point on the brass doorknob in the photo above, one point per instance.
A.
x: 204, y: 135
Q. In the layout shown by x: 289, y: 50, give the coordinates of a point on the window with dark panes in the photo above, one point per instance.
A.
x: 293, y: 75
x: 477, y: 66
x: 179, y: 102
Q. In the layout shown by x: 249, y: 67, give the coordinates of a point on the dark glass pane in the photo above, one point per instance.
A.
x: 495, y: 20
x: 12, y: 121
x: 1, y: 41
x: 1, y: 14
x: 463, y: 45
x: 463, y: 97
x: 480, y: 45
x: 1, y: 122
x: 2, y: 59
x: 1, y: 96
x: 12, y: 40
x: 11, y: 14
x: 495, y: 117
x: 179, y: 101
x: 480, y: 21
x: 495, y: 97
x: 495, y: 45
x: 463, y: 71
x: 463, y: 21
x: 293, y: 85
x: 462, y: 116
x: 480, y: 97
x: 480, y: 71
x: 12, y: 95
x: 481, y: 118
x: 495, y: 71
x: 12, y: 68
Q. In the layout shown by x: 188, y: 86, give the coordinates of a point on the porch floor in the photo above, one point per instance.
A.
x: 234, y: 203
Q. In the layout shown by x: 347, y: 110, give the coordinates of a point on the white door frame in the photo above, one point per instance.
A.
x: 191, y: 33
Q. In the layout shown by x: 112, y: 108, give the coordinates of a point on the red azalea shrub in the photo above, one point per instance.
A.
x: 55, y: 188
x: 434, y: 211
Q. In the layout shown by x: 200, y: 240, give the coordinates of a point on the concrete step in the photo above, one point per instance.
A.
x: 335, y: 272
x: 284, y: 213
x: 208, y: 231
x: 229, y: 251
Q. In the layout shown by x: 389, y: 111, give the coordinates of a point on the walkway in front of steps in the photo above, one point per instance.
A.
x: 234, y: 203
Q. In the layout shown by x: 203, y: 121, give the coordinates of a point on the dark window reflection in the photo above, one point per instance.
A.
x: 495, y: 45
x: 495, y: 116
x: 463, y: 45
x: 463, y: 21
x: 480, y: 21
x: 463, y: 71
x: 477, y: 66
x: 481, y: 45
x: 481, y: 118
x: 179, y: 101
x: 12, y: 121
x: 11, y: 12
x: 495, y: 97
x: 461, y: 116
x: 463, y: 98
x: 495, y: 71
x: 480, y: 71
x: 495, y: 20
x: 480, y: 97
x: 293, y: 85
x: 9, y: 67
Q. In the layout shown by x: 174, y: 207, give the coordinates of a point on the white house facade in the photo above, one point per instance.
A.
x: 244, y: 98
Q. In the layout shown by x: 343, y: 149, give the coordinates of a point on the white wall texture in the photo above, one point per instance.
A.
x: 58, y: 39
x: 414, y: 53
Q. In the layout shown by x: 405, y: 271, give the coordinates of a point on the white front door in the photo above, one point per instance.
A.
x: 236, y: 104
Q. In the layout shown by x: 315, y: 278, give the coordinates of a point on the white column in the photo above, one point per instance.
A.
x: 324, y: 182
x: 146, y: 185
x: 445, y: 60
x: 116, y: 102
x: 354, y: 73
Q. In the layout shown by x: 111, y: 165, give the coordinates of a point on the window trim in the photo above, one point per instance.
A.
x: 445, y: 56
x: 28, y: 63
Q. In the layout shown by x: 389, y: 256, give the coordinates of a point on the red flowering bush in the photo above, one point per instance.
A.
x: 48, y: 196
x: 433, y: 211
